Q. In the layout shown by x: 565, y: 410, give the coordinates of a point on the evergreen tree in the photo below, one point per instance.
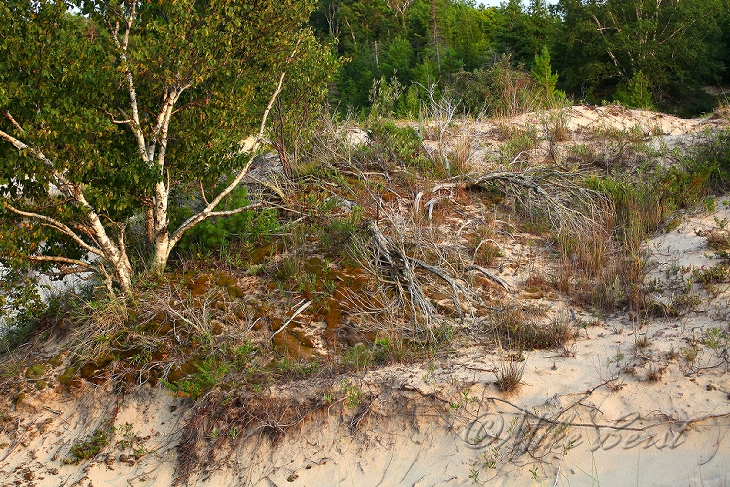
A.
x: 546, y: 80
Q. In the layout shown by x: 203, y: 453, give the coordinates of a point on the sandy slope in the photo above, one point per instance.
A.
x: 601, y: 412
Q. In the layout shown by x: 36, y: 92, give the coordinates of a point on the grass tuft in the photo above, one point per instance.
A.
x: 509, y: 376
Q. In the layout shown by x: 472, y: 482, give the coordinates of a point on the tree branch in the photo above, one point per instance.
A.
x: 18, y: 144
x: 208, y: 210
x: 108, y: 250
x: 237, y: 210
x: 122, y: 46
x: 13, y: 121
x: 490, y: 276
x: 64, y: 260
x: 113, y: 120
x: 53, y: 223
x: 63, y: 183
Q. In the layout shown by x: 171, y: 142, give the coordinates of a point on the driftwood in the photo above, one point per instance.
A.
x: 401, y: 268
x: 567, y: 204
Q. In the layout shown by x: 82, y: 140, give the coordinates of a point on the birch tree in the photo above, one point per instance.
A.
x: 108, y: 107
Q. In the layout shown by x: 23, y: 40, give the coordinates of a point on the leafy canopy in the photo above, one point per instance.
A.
x: 110, y: 107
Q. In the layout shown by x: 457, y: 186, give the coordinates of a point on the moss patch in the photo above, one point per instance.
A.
x: 35, y: 371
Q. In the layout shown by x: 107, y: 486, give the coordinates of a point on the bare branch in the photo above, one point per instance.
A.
x: 113, y: 120
x: 490, y: 276
x: 13, y: 121
x: 566, y: 204
x: 122, y: 47
x: 237, y: 210
x: 601, y: 29
x: 18, y: 144
x: 202, y: 192
x: 64, y: 260
x: 291, y: 318
x: 400, y: 267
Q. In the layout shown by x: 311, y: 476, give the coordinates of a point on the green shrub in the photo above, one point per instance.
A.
x: 90, y: 447
x: 392, y: 146
x: 384, y: 97
x: 635, y: 92
x: 209, y: 374
x: 214, y: 234
x: 500, y: 90
x: 714, y: 155
x: 336, y: 236
x: 717, y: 274
x: 361, y: 357
x: 542, y: 73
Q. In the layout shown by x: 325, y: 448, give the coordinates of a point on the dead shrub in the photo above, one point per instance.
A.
x: 718, y: 240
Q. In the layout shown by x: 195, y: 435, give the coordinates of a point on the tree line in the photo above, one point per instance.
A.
x: 639, y: 52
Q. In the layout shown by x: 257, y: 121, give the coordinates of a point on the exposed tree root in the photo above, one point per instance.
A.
x: 401, y: 268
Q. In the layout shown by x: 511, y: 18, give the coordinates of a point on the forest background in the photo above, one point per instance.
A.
x: 642, y: 53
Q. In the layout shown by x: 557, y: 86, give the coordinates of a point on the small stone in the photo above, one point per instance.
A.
x: 292, y: 477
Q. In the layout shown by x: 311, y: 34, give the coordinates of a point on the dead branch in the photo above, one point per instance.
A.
x: 401, y: 268
x: 455, y: 285
x: 401, y: 273
x: 490, y: 276
x: 291, y: 318
x: 567, y: 205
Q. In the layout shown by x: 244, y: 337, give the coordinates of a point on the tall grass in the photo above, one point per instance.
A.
x: 604, y: 265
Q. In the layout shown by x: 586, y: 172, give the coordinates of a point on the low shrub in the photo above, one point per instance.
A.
x: 90, y: 447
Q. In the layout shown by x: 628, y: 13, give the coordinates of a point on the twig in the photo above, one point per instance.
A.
x: 286, y: 323
x: 490, y: 276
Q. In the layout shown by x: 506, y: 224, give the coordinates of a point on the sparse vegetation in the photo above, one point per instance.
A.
x: 521, y: 329
x: 90, y: 447
x: 389, y: 248
x: 258, y: 218
x: 208, y: 374
x: 509, y: 375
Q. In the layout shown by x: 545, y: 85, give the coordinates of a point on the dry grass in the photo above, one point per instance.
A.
x: 520, y: 328
x: 655, y: 373
x: 509, y: 376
